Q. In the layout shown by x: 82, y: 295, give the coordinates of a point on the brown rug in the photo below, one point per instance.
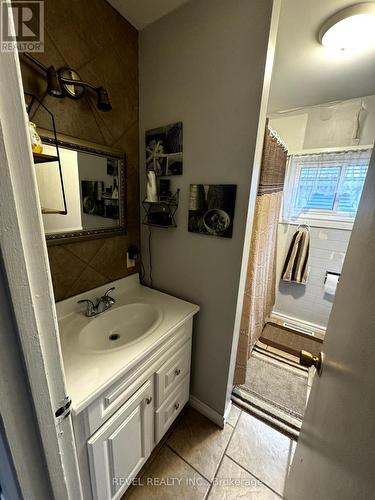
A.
x: 275, y: 390
x: 289, y: 340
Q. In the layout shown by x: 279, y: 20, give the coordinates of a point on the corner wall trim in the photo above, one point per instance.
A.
x: 208, y: 412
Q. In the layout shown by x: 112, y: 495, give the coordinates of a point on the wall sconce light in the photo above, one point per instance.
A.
x: 53, y: 83
x: 350, y: 28
x: 66, y: 82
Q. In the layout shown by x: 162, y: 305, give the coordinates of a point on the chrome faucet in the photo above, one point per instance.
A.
x: 104, y: 303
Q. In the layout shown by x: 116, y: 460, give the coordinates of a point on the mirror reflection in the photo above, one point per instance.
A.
x: 94, y: 190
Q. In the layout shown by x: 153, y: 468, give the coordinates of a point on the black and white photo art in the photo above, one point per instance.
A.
x: 164, y: 150
x: 211, y: 209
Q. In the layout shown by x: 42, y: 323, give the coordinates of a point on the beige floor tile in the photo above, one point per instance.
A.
x: 234, y: 415
x: 261, y: 450
x: 200, y: 442
x: 167, y: 478
x: 232, y: 482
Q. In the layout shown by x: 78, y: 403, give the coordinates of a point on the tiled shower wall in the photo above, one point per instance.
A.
x: 327, y: 253
x: 92, y: 38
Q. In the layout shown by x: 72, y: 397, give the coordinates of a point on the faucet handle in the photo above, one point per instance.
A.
x: 108, y: 297
x: 90, y: 306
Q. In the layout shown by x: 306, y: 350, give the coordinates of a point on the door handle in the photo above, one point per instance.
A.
x: 307, y: 359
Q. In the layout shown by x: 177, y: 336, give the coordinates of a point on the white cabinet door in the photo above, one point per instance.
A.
x: 121, y: 446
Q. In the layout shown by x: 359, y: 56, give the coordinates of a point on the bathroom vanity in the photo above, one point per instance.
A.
x: 128, y: 373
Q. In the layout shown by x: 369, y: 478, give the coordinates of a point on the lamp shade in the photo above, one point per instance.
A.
x: 53, y: 83
x: 103, y: 103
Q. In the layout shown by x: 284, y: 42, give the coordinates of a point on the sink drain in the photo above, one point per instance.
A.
x: 114, y: 336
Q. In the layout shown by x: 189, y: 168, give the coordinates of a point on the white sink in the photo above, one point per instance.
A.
x: 145, y: 319
x: 119, y: 327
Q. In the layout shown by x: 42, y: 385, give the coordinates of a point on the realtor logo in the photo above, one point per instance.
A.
x: 28, y: 19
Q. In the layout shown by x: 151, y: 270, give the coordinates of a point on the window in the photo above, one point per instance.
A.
x: 325, y: 186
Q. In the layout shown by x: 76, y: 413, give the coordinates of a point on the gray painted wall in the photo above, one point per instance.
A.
x: 204, y: 65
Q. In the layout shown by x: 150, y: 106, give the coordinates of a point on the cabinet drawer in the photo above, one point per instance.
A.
x: 169, y: 410
x: 169, y: 376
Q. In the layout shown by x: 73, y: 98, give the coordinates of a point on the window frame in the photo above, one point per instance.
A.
x: 318, y: 217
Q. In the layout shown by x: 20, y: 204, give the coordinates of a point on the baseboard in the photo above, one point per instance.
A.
x: 227, y: 411
x: 300, y: 325
x: 208, y: 412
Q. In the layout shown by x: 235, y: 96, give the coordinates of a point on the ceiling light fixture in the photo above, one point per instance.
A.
x: 351, y: 28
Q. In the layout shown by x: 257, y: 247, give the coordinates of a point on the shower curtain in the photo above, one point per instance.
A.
x: 260, y: 281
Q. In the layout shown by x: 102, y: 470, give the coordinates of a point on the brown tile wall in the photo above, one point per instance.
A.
x: 92, y: 38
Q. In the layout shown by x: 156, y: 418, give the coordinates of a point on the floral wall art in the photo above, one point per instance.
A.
x: 164, y: 150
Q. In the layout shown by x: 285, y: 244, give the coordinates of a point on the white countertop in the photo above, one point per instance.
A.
x: 89, y: 373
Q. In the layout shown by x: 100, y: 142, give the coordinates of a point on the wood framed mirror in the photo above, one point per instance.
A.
x: 94, y: 182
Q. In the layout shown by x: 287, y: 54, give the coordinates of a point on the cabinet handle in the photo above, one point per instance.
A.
x: 177, y: 372
x: 177, y: 406
x: 148, y: 400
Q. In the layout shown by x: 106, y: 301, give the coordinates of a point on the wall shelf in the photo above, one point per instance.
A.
x: 161, y: 203
x: 45, y: 158
x: 53, y: 211
x: 157, y: 211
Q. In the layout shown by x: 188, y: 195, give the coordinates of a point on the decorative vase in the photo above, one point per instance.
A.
x: 152, y: 190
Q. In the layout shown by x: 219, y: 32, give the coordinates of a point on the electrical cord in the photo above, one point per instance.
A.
x: 142, y: 266
x: 142, y: 269
x: 149, y: 255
